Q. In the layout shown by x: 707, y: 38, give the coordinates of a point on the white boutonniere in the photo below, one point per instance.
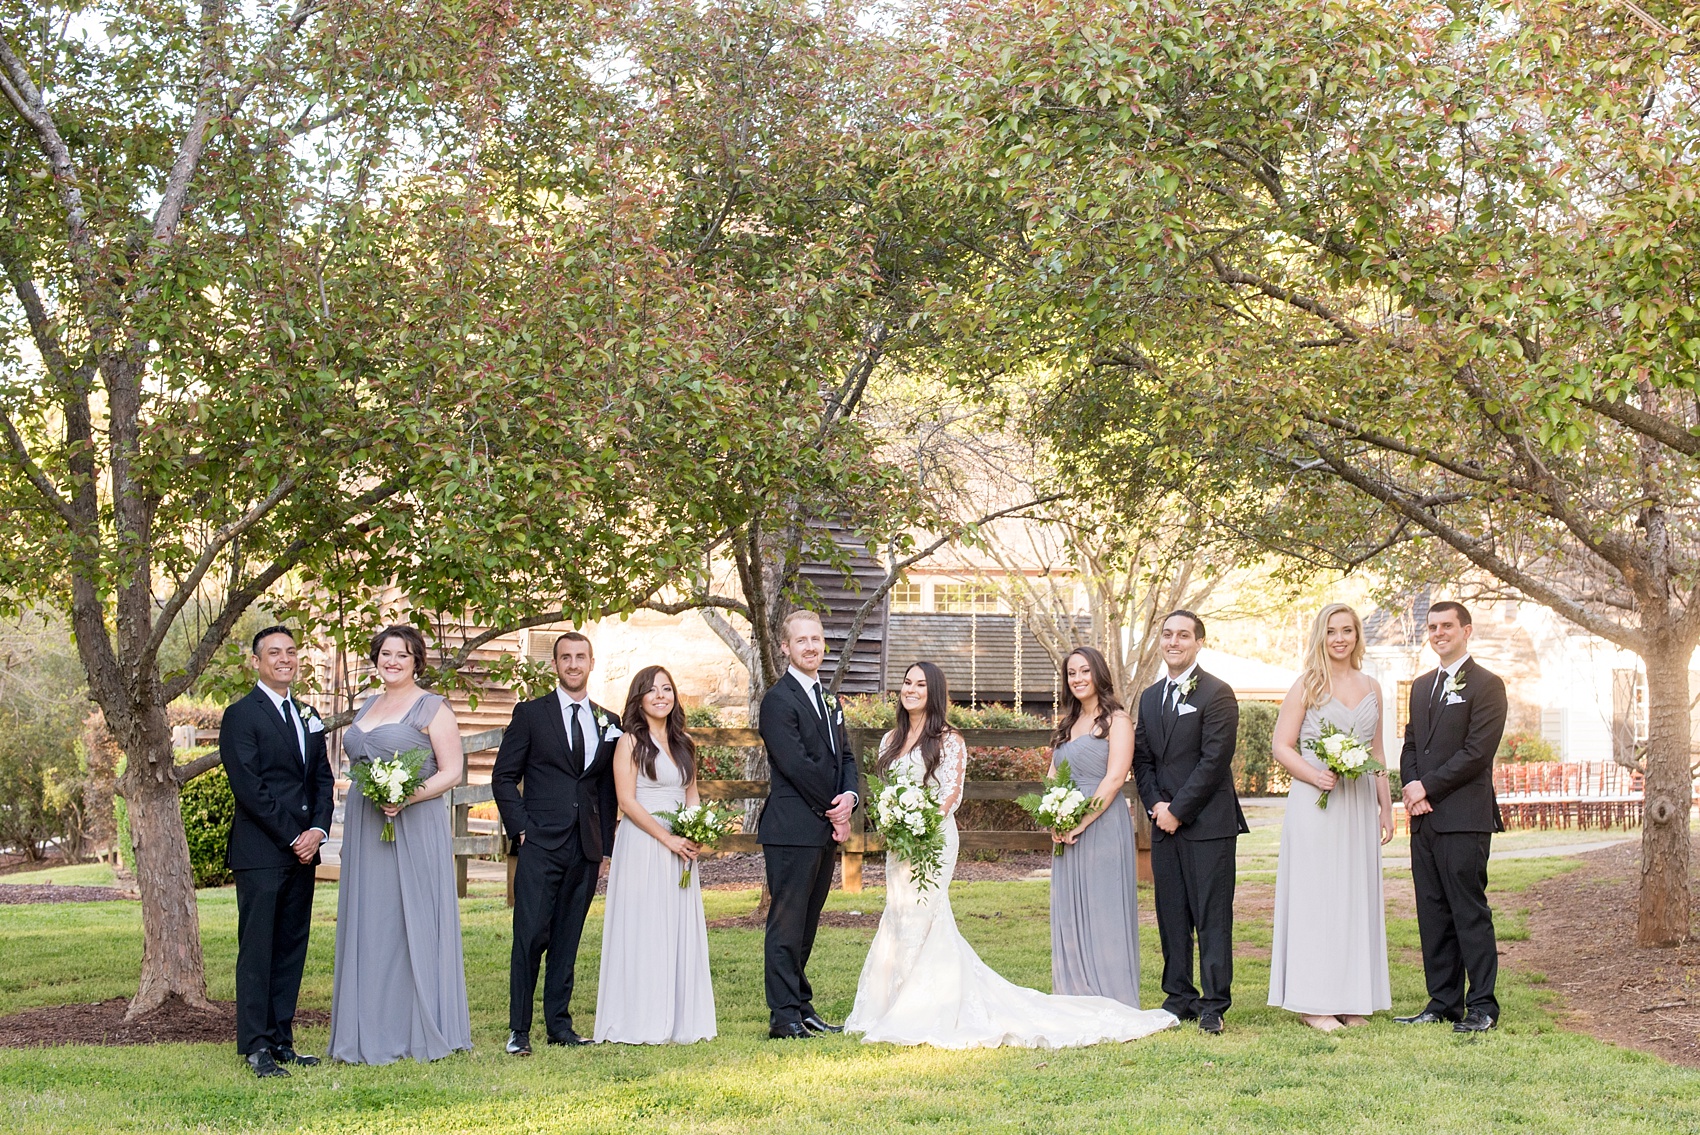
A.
x: 609, y: 729
x: 1189, y: 685
x: 832, y: 705
x: 310, y: 719
x: 1452, y: 691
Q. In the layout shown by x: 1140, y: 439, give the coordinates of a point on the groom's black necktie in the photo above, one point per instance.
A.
x: 1434, y: 696
x: 820, y: 707
x: 575, y: 737
x: 295, y: 731
x: 1172, y: 699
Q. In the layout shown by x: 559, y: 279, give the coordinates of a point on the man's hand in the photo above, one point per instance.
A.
x: 306, y: 844
x: 1414, y: 794
x: 842, y: 805
x: 1165, y: 819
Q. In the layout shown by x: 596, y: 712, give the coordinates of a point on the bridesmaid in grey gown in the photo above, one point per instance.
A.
x: 399, y: 988
x: 654, y: 986
x: 1094, y: 883
x: 1328, y: 956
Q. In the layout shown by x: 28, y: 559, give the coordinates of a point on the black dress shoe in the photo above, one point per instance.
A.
x: 1475, y: 1021
x: 792, y: 1031
x: 287, y: 1055
x: 1426, y: 1017
x: 519, y: 1044
x: 1210, y: 1023
x: 815, y: 1025
x: 263, y: 1065
x: 569, y: 1037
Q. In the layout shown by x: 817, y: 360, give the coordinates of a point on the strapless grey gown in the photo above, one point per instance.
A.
x: 1095, y: 893
x: 400, y: 985
x: 1329, y: 951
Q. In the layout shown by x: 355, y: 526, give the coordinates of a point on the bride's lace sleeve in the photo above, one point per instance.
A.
x: 953, y: 770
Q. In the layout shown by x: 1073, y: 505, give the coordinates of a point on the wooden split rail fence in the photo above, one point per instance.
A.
x: 855, y: 849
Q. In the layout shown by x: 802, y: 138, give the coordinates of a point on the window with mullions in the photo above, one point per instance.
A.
x: 963, y: 598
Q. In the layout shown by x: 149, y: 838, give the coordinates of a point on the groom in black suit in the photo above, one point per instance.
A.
x: 812, y: 786
x: 1183, y: 751
x: 554, y: 787
x: 273, y: 750
x: 1457, y: 716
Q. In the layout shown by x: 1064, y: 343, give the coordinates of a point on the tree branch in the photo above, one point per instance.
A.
x: 219, y: 541
x: 1476, y: 552
x: 189, y: 770
x: 43, y: 484
x: 1666, y: 433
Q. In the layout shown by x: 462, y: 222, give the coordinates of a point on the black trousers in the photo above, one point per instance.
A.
x: 1449, y: 873
x: 274, y: 912
x: 1195, y: 894
x: 552, y: 893
x: 798, y: 879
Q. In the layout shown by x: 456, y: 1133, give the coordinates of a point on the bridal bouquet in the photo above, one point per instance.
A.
x: 389, y: 782
x: 1343, y: 754
x: 700, y: 824
x: 1062, y: 805
x: 908, y: 815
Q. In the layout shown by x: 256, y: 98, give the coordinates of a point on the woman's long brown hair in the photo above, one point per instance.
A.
x: 633, y: 721
x: 934, y: 726
x: 1108, y: 704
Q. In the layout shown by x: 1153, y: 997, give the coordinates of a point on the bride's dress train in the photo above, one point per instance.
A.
x: 924, y: 984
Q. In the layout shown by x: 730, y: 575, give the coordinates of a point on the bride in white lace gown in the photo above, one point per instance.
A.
x: 923, y: 983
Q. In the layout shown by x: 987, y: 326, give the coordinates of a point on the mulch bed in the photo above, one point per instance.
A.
x: 103, y: 1022
x: 47, y: 892
x: 1582, y: 938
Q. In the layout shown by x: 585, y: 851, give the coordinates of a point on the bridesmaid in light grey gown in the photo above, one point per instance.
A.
x: 1328, y: 956
x: 1095, y: 882
x: 654, y: 986
x: 399, y: 988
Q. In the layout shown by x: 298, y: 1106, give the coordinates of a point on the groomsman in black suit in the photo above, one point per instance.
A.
x: 1183, y: 751
x: 812, y: 786
x: 554, y: 787
x: 273, y: 750
x: 1457, y: 716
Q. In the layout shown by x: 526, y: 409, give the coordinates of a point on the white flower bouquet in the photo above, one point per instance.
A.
x: 700, y: 824
x: 1062, y: 805
x: 389, y: 782
x: 908, y: 815
x: 1343, y: 755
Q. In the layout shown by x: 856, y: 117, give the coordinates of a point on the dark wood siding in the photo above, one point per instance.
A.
x: 987, y: 670
x: 837, y: 599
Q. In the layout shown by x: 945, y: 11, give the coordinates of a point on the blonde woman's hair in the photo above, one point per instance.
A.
x: 1317, y: 685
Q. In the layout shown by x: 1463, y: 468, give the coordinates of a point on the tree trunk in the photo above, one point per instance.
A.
x: 1664, y: 916
x: 171, y: 932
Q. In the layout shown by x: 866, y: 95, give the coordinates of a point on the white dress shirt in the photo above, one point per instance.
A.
x: 1171, y: 693
x: 294, y: 717
x: 586, y: 721
x: 1446, y: 672
x: 810, y: 686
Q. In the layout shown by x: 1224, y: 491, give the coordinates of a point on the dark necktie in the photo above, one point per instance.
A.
x: 575, y: 736
x: 294, y: 731
x: 1434, y: 696
x: 1172, y: 699
x: 820, y: 707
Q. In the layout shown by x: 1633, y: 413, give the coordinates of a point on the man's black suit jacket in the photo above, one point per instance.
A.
x: 1452, y: 750
x: 557, y: 796
x: 1188, y: 761
x: 278, y: 794
x: 805, y: 769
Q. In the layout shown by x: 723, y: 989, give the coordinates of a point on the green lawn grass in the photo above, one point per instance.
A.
x: 79, y: 875
x: 1267, y: 1074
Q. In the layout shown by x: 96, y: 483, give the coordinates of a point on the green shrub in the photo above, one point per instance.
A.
x: 879, y: 711
x: 1525, y: 748
x: 208, y: 809
x: 714, y: 762
x: 1255, y: 771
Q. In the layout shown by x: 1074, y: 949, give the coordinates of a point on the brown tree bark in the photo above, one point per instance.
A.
x: 1665, y: 894
x: 171, y: 935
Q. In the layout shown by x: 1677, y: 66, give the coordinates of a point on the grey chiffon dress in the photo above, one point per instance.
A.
x: 1329, y: 951
x: 400, y: 985
x: 1095, y: 892
x: 654, y: 985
